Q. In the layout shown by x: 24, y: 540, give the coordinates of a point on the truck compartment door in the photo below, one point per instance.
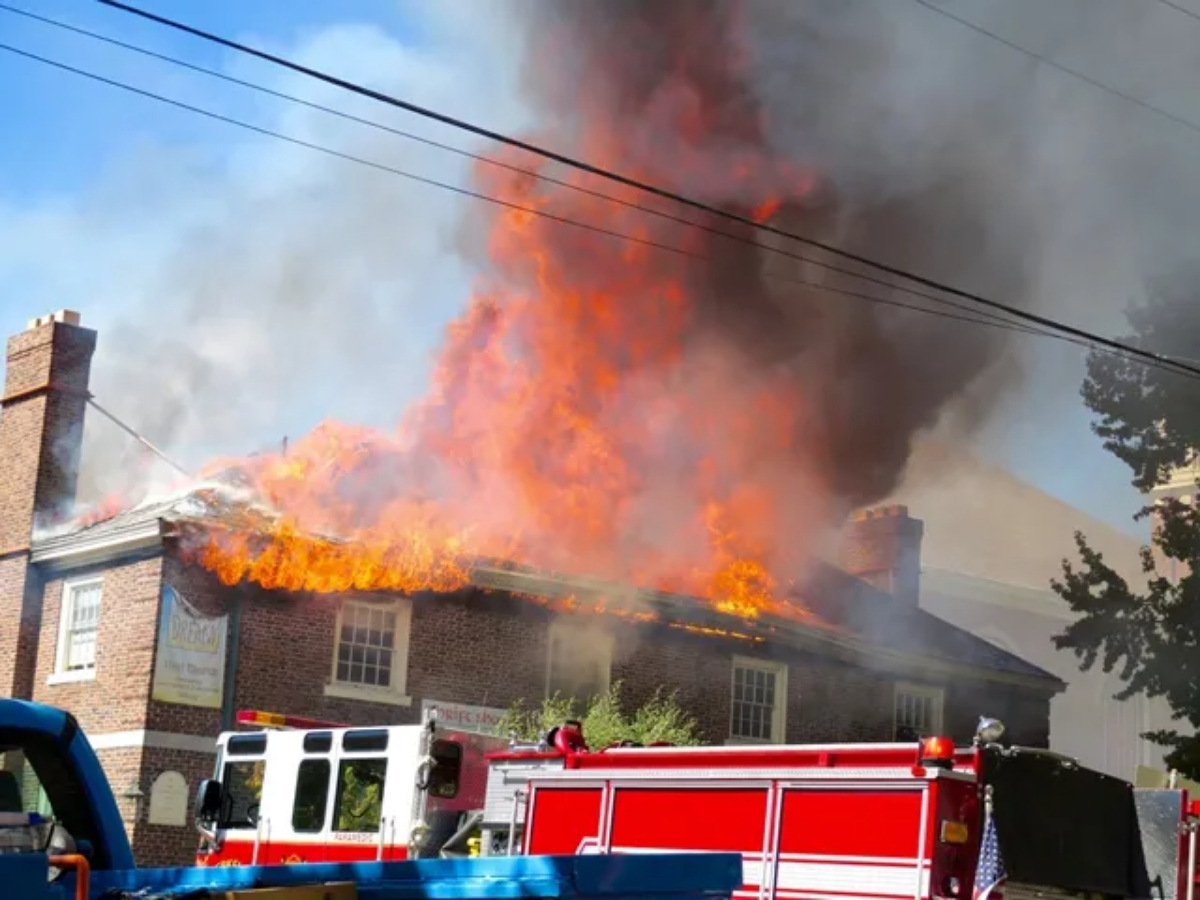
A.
x: 853, y: 841
x: 709, y: 816
x: 564, y: 819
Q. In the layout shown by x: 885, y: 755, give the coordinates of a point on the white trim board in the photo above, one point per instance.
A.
x: 159, y: 740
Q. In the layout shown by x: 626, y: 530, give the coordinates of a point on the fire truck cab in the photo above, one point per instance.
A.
x: 299, y: 790
x: 914, y: 821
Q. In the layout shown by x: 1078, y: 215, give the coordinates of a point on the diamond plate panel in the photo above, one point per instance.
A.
x: 1159, y: 813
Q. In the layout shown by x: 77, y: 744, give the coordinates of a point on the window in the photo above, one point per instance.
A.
x: 918, y: 712
x: 79, y: 620
x: 312, y: 795
x: 360, y: 795
x: 243, y: 784
x: 20, y: 789
x: 759, y: 701
x: 38, y: 774
x: 580, y: 661
x: 370, y: 654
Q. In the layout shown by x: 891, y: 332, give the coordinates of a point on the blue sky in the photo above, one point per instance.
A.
x: 71, y: 128
x: 99, y: 190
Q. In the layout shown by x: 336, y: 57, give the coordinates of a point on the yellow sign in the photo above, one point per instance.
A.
x: 189, y: 666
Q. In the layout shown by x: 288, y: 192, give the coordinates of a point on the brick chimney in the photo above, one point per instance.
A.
x: 883, y: 546
x: 41, y: 434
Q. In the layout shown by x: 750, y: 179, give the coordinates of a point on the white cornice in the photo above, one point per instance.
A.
x: 973, y: 588
x: 84, y: 548
x: 162, y: 740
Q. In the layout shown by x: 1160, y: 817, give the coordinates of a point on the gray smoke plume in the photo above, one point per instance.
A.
x: 696, y: 90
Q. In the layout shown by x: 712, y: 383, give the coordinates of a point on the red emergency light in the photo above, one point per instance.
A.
x: 937, y: 752
x: 278, y: 720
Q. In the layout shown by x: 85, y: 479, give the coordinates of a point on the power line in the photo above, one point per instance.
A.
x: 1013, y: 45
x: 1182, y: 9
x: 137, y: 437
x: 610, y: 175
x: 349, y: 157
x: 972, y: 319
x: 780, y: 251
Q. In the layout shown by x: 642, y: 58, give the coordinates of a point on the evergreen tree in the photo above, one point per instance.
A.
x: 1150, y: 419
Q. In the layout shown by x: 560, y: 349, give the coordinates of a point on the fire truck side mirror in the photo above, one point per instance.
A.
x: 447, y: 769
x: 206, y: 811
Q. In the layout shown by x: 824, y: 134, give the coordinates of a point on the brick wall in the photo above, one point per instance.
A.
x: 491, y: 650
x: 123, y: 766
x: 41, y: 430
x: 159, y: 844
x: 117, y: 698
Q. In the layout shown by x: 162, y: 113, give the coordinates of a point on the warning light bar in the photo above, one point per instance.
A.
x: 278, y: 720
x: 937, y: 752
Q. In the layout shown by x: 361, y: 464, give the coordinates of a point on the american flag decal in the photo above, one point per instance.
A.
x: 990, y: 874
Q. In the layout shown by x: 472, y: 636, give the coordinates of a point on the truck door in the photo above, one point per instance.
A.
x: 859, y: 840
x: 359, y: 829
x: 311, y: 801
x: 242, y: 770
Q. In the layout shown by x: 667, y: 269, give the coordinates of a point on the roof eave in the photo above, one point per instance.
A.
x: 84, y: 549
x: 794, y: 633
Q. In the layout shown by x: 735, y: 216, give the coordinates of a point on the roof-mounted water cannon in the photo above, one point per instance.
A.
x: 567, y: 738
x: 988, y: 731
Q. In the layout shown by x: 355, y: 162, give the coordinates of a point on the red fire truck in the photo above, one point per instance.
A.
x: 914, y: 821
x: 923, y: 820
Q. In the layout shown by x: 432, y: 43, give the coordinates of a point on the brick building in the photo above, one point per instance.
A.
x: 153, y: 655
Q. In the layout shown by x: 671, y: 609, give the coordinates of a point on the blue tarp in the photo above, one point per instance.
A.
x: 690, y: 876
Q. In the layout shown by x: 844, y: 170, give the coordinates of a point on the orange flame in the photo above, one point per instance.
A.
x: 585, y: 414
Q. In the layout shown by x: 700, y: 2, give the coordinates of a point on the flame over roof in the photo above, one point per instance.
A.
x: 833, y: 613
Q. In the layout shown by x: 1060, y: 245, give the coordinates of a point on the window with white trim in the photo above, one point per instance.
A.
x: 918, y: 711
x: 78, y: 626
x: 758, y: 707
x: 579, y: 661
x: 370, y: 650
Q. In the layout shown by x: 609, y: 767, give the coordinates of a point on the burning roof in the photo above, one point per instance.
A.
x: 832, y: 613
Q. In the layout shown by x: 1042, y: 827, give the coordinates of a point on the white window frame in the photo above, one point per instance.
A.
x: 600, y: 641
x: 66, y: 603
x: 778, y: 714
x: 396, y: 693
x: 924, y: 691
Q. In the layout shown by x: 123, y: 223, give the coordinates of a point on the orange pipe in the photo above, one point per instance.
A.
x: 82, y: 869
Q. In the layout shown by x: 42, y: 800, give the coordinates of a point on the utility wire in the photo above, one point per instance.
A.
x: 610, y: 175
x: 1182, y: 9
x: 627, y: 204
x: 996, y: 323
x: 1013, y: 45
x: 1007, y: 326
x: 137, y: 437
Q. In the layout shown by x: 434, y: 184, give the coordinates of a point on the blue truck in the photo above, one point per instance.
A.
x: 75, y: 846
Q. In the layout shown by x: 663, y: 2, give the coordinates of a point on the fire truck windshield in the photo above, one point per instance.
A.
x: 242, y: 780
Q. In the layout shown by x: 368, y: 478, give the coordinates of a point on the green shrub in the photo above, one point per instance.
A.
x: 605, y: 720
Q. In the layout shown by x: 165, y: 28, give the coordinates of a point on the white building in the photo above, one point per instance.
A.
x: 992, y: 544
